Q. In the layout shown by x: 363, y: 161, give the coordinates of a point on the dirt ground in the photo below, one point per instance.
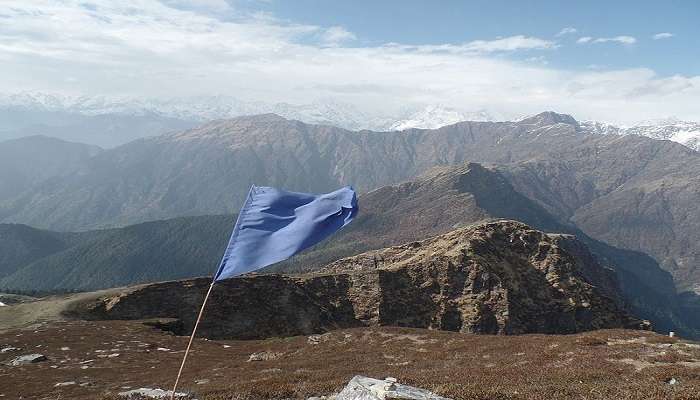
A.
x: 104, y: 358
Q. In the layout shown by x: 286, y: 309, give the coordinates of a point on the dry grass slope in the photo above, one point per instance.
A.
x: 607, y: 364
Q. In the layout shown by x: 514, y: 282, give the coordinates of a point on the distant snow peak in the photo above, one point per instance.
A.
x: 684, y: 132
x: 436, y: 116
x: 325, y: 111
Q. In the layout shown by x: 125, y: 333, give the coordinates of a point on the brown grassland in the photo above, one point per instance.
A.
x: 607, y: 364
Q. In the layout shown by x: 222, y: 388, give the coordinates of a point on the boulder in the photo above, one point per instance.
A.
x: 364, y: 388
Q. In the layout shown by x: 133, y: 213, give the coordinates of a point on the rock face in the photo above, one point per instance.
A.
x: 496, y: 278
x: 500, y: 277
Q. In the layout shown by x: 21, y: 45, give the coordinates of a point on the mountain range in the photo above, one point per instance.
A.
x: 109, y: 122
x: 632, y: 200
x: 629, y: 191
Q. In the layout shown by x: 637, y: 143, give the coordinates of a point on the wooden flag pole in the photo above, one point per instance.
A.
x: 194, y: 330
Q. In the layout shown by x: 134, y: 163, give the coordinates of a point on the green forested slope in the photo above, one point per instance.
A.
x: 151, y: 251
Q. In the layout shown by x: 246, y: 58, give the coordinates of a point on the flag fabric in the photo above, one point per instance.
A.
x: 274, y: 224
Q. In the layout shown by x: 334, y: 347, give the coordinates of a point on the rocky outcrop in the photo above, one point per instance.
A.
x: 501, y: 277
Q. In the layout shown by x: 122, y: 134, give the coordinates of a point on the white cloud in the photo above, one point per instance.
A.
x: 336, y: 35
x: 479, y: 47
x: 619, y: 39
x: 511, y: 43
x: 213, y: 6
x: 566, y: 31
x: 538, y: 60
x: 662, y: 35
x: 623, y: 39
x: 147, y: 48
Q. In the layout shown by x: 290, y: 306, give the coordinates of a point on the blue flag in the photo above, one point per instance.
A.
x: 274, y: 224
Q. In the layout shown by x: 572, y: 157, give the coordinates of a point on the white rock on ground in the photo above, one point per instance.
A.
x: 152, y: 393
x: 8, y: 349
x: 27, y: 359
x: 364, y: 388
x: 264, y: 356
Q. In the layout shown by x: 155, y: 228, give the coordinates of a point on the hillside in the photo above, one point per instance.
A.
x: 21, y: 245
x: 30, y: 161
x: 147, y: 252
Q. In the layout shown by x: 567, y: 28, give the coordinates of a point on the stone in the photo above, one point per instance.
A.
x: 61, y: 384
x: 263, y: 356
x: 316, y: 339
x: 8, y: 349
x: 27, y: 359
x: 364, y: 388
x: 151, y: 393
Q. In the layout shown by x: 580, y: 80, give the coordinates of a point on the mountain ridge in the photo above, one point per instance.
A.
x: 500, y: 277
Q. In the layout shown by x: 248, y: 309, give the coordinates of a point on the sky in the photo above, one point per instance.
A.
x: 618, y: 62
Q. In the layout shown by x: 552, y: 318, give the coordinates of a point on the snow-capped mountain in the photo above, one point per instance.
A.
x: 206, y: 108
x: 684, y: 132
x: 436, y: 116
